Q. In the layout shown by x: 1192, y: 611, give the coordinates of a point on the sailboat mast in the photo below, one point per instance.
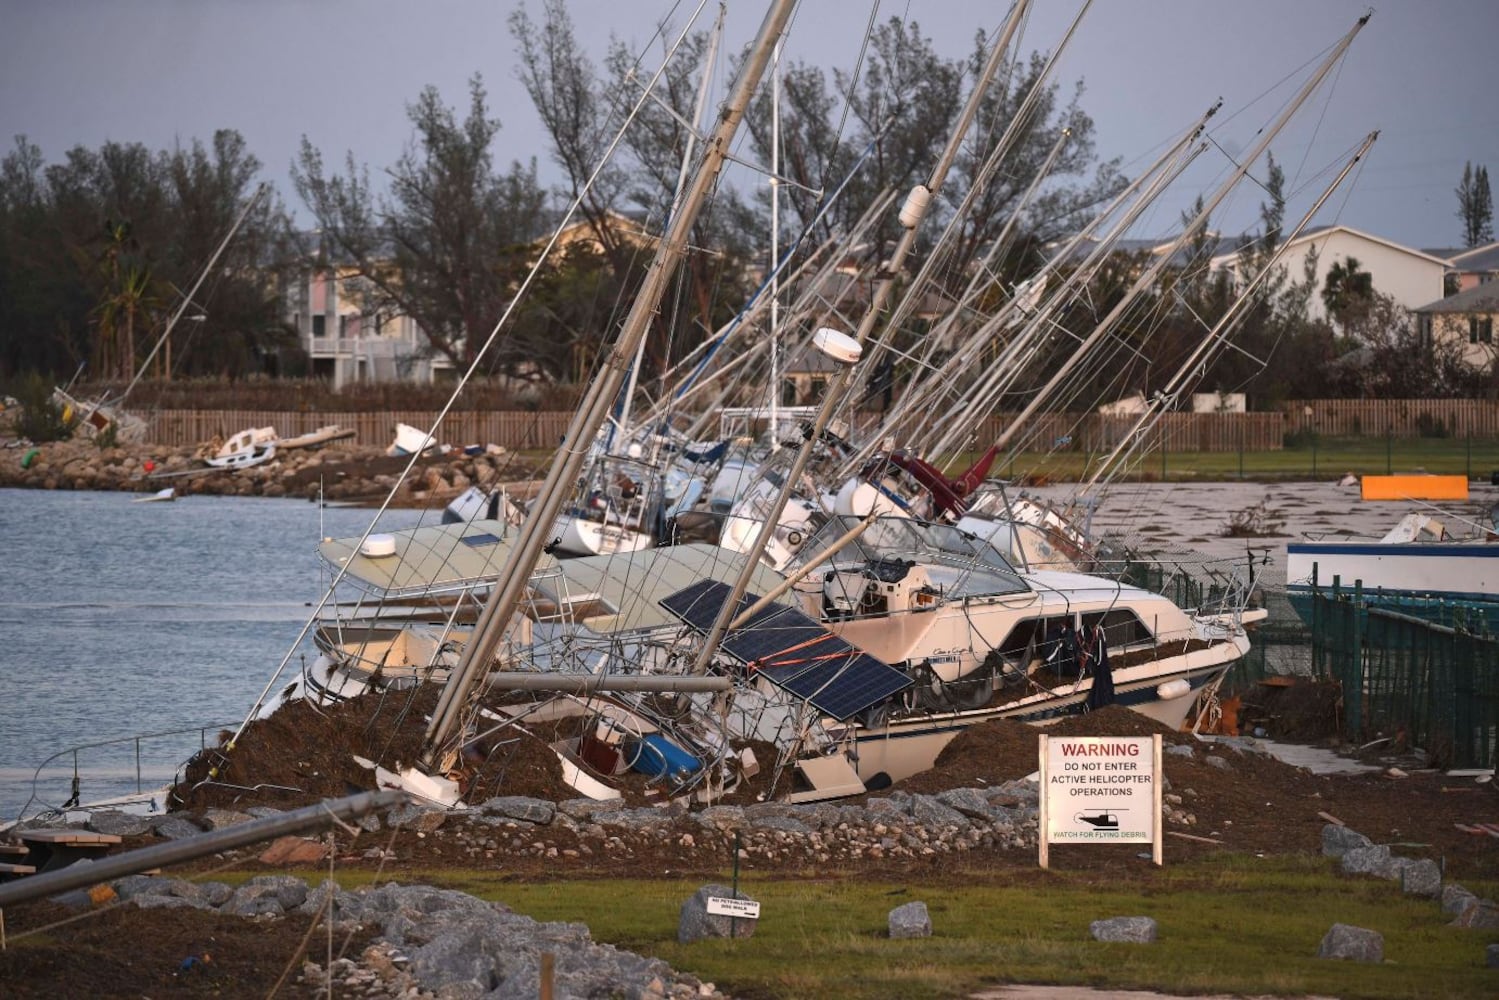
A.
x: 1217, y: 336
x: 775, y: 244
x: 910, y: 217
x: 188, y: 298
x: 690, y: 147
x: 1109, y: 322
x: 560, y: 480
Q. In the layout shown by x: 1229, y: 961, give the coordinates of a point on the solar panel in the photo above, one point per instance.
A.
x: 793, y: 652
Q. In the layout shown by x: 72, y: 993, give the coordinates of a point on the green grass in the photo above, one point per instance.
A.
x: 1230, y: 924
x: 1327, y: 460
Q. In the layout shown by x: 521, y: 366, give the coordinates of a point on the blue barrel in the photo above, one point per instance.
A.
x: 659, y: 757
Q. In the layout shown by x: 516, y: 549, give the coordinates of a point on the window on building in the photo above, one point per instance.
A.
x: 319, y: 325
x: 1424, y: 331
x: 1480, y: 329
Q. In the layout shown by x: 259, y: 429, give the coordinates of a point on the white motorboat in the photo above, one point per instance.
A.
x: 1418, y: 559
x: 914, y: 631
x: 247, y: 449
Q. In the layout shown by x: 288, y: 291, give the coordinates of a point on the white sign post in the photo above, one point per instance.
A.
x: 1100, y: 789
x: 723, y: 906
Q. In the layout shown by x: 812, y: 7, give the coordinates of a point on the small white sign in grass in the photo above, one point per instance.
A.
x: 1100, y: 789
x: 722, y: 906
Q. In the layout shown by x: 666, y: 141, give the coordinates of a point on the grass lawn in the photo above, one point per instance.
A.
x: 1231, y: 924
x: 1327, y: 459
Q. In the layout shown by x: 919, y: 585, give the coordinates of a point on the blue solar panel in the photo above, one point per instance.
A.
x: 793, y: 652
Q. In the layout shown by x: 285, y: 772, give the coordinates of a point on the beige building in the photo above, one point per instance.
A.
x: 1467, y: 318
x: 1411, y: 277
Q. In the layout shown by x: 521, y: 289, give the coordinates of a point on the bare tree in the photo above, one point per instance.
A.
x: 445, y: 245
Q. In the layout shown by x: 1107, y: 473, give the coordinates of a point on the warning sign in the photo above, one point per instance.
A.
x: 1100, y: 789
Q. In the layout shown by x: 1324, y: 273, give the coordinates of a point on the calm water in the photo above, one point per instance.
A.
x: 119, y: 619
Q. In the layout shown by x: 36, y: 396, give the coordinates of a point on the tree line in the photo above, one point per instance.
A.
x: 99, y: 249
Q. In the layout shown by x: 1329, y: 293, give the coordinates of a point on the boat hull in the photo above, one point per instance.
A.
x: 903, y: 747
x: 1457, y: 571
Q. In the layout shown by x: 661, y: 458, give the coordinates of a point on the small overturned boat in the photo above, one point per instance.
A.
x: 247, y: 449
x: 160, y: 496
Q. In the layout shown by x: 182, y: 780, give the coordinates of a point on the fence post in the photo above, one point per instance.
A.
x: 1389, y: 447
x: 1241, y: 450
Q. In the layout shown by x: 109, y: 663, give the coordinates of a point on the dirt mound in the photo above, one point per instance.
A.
x: 303, y: 754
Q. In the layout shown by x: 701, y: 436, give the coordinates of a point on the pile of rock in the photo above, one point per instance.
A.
x: 342, y: 472
x: 901, y: 826
x: 432, y: 942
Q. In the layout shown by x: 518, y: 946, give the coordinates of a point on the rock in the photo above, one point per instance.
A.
x: 218, y: 819
x: 417, y: 818
x: 521, y: 807
x: 1132, y: 930
x: 1421, y: 878
x: 1481, y: 913
x: 1455, y: 899
x: 968, y: 801
x: 587, y: 808
x: 1339, y: 840
x: 934, y: 815
x: 724, y: 818
x: 263, y: 895
x: 784, y: 824
x: 1373, y: 860
x: 1356, y: 944
x: 121, y: 824
x: 175, y: 827
x: 695, y: 923
x: 910, y: 920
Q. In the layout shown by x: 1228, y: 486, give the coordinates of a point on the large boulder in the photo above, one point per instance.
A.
x: 1356, y: 944
x: 1339, y: 840
x: 910, y: 920
x: 695, y: 922
x: 1131, y: 930
x: 1421, y: 878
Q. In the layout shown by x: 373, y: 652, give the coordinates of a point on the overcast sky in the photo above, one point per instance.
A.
x: 341, y: 72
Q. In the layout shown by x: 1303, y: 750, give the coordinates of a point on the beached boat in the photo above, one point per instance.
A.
x: 249, y: 448
x: 160, y: 496
x: 1418, y: 563
x: 914, y: 631
x: 326, y: 434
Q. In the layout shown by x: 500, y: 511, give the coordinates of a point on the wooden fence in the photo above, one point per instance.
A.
x: 523, y: 431
x: 1404, y: 418
x: 517, y: 430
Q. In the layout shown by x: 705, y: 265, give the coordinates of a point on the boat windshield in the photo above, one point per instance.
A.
x: 983, y: 570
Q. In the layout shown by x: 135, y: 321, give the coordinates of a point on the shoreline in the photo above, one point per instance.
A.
x: 350, y: 474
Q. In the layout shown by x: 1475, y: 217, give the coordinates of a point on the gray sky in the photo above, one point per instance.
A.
x: 159, y: 72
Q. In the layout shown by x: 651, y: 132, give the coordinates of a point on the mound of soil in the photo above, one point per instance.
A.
x: 1228, y: 798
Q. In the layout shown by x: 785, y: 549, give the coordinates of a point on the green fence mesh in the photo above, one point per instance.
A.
x: 1406, y: 670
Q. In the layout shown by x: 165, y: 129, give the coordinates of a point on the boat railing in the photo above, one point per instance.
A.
x: 63, y: 775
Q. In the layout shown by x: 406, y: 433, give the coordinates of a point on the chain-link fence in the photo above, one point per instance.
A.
x: 1429, y: 670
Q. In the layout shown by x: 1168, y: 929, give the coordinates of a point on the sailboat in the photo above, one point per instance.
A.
x: 873, y: 638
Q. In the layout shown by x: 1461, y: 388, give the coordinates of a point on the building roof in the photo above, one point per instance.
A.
x: 1480, y: 299
x: 1484, y: 258
x: 1313, y: 233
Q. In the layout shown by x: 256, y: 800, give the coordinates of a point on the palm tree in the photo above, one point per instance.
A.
x: 1346, y: 288
x: 129, y: 295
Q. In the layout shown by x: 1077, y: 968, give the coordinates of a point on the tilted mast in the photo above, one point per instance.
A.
x: 554, y: 492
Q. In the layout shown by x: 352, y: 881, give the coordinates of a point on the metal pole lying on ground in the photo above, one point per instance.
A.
x: 81, y: 874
